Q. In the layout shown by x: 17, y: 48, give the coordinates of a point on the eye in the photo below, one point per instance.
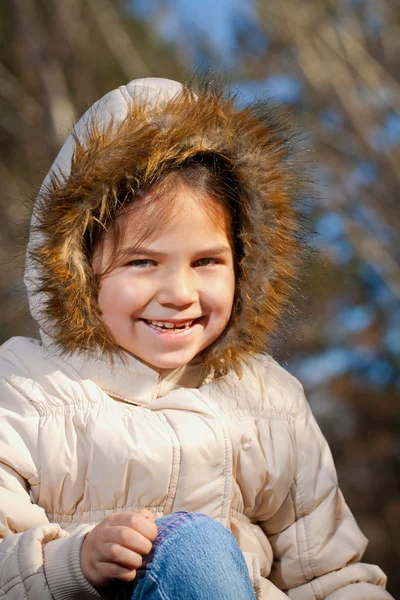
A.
x: 141, y: 263
x: 205, y: 262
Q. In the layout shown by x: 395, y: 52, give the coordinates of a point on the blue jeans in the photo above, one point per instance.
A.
x: 193, y: 558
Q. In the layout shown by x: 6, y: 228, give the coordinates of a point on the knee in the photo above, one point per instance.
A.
x: 210, y: 526
x: 195, y: 527
x: 194, y: 552
x: 184, y: 518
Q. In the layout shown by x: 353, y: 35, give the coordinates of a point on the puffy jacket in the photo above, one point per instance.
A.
x: 80, y: 440
x: 82, y: 435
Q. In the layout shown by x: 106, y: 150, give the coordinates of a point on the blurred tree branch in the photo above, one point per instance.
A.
x: 334, y: 56
x: 116, y: 38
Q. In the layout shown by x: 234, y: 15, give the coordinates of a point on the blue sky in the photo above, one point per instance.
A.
x: 212, y: 17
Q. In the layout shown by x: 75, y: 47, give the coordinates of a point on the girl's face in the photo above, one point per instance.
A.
x: 172, y: 296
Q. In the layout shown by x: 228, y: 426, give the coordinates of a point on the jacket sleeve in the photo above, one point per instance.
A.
x: 25, y: 532
x: 316, y: 542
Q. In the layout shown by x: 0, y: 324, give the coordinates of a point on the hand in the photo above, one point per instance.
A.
x: 115, y: 547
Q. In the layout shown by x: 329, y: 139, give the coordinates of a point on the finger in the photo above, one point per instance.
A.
x: 118, y: 555
x: 113, y: 571
x: 137, y: 522
x: 128, y: 538
x: 147, y: 514
x: 129, y: 514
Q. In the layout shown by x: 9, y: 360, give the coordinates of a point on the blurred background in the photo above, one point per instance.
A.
x: 335, y: 64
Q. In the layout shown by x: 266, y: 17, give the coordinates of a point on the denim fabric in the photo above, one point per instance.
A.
x: 193, y: 558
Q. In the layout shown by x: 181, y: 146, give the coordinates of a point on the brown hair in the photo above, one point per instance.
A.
x: 203, y: 173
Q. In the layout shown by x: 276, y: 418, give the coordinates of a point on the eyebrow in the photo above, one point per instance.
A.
x: 212, y: 251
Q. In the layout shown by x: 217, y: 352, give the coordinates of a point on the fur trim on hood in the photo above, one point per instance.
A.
x: 137, y: 133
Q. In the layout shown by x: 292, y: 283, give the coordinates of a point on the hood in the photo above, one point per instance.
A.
x: 138, y: 132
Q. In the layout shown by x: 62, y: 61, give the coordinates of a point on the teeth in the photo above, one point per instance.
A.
x: 167, y: 325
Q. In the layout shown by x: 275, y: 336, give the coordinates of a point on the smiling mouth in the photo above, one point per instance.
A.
x: 171, y: 326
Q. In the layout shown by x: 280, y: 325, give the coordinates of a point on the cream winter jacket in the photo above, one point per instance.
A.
x: 80, y: 440
x: 82, y: 436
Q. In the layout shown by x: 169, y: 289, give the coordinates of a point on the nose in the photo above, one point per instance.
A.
x: 178, y: 289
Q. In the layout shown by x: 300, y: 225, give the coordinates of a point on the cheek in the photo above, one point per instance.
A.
x: 115, y: 297
x: 219, y: 296
x: 106, y: 297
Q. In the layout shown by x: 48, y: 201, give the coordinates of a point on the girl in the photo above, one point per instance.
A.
x: 149, y: 425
